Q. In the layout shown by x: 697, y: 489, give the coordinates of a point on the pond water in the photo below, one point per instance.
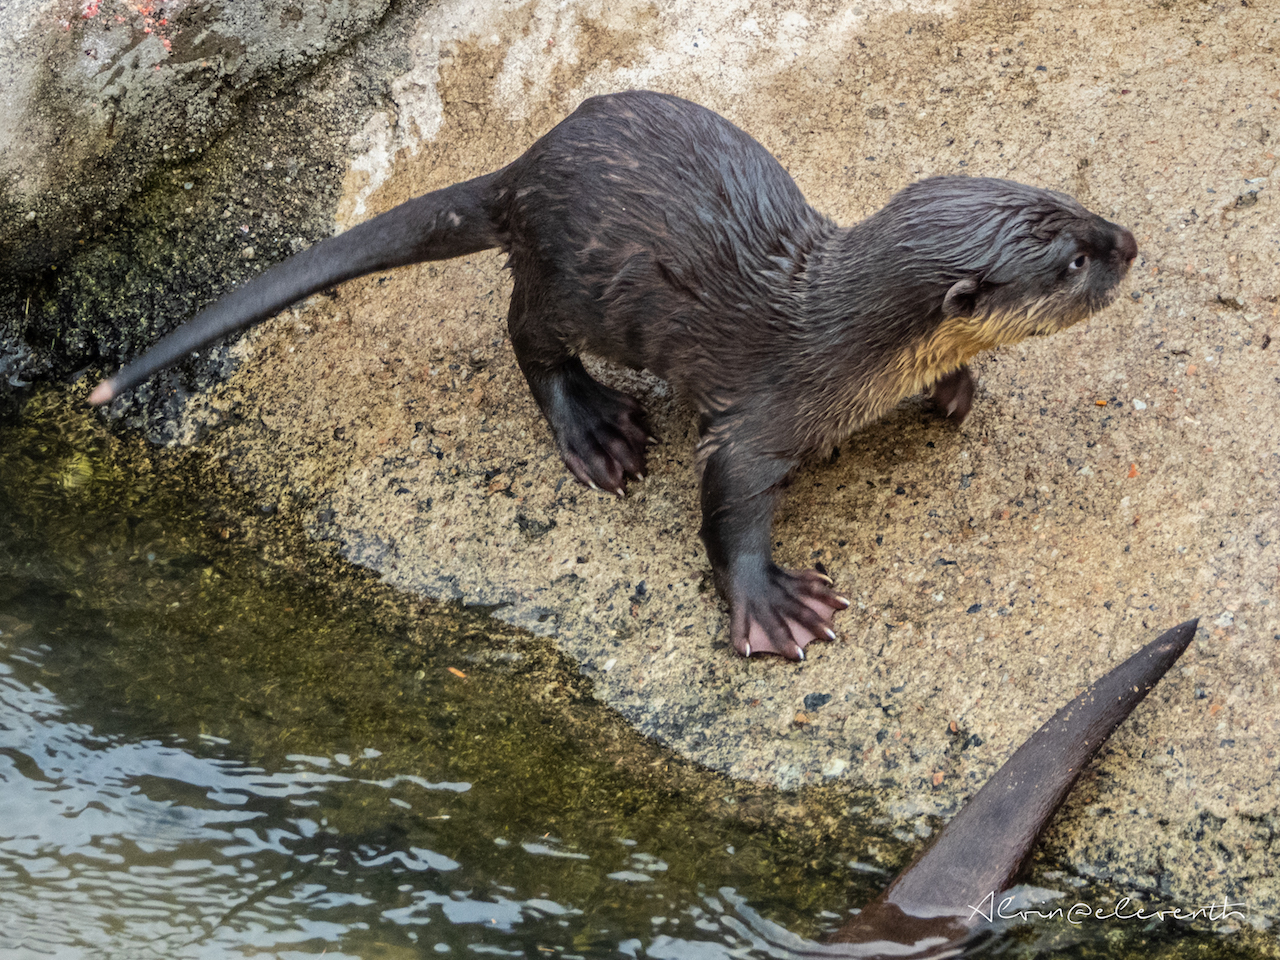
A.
x: 204, y: 754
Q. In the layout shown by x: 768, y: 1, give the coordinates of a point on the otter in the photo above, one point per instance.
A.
x: 955, y: 884
x: 651, y: 232
x: 941, y: 901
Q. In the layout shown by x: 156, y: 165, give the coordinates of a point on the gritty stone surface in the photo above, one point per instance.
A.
x: 96, y: 95
x: 1111, y: 482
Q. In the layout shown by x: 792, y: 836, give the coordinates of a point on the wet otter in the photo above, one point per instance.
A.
x: 649, y: 231
x: 959, y: 882
x: 956, y: 882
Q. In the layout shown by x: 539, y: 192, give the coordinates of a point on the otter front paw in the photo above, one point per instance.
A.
x: 953, y: 394
x: 781, y: 611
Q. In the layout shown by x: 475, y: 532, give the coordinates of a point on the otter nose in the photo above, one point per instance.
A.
x: 1126, y: 247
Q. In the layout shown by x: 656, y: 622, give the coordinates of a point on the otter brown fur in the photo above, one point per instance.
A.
x: 649, y: 231
x: 940, y: 904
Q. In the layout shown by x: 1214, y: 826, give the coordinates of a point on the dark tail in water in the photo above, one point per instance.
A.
x: 982, y: 849
x: 446, y: 223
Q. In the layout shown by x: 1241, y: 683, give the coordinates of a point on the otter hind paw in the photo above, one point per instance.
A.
x: 604, y: 444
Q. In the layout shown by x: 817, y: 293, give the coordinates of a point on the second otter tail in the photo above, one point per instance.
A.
x: 439, y: 225
x: 976, y: 857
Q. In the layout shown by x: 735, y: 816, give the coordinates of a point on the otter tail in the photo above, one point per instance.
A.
x: 954, y: 883
x: 436, y: 226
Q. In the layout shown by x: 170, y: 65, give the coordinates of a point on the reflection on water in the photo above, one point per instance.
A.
x: 155, y: 847
x: 203, y: 755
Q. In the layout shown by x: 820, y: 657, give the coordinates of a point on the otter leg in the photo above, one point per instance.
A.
x: 602, y: 433
x: 953, y: 394
x: 771, y: 610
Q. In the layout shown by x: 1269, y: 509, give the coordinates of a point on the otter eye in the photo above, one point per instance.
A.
x: 1078, y: 263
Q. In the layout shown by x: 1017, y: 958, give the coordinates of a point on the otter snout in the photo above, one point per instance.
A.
x: 1126, y: 248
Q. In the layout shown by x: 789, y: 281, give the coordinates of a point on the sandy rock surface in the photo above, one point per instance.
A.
x: 1111, y: 482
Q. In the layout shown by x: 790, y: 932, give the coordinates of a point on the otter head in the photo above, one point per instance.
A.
x: 1015, y: 261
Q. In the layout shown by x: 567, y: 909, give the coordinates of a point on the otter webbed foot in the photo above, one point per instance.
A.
x: 774, y: 610
x: 771, y: 610
x: 953, y: 394
x: 602, y: 437
x: 601, y: 433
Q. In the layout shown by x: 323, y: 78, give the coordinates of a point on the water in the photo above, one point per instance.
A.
x: 203, y: 754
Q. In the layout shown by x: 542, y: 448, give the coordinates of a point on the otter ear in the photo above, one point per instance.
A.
x: 961, y: 298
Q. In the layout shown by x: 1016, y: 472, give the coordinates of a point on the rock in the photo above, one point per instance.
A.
x: 97, y: 95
